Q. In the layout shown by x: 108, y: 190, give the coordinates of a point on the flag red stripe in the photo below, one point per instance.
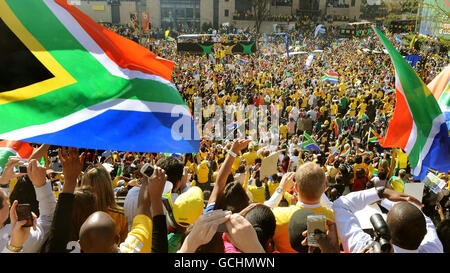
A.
x: 24, y: 149
x: 124, y: 52
x: 400, y: 123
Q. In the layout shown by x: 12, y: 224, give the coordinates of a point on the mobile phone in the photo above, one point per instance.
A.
x: 147, y: 169
x: 315, y: 223
x: 24, y: 213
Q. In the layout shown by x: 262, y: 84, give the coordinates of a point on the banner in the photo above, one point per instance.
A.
x: 145, y: 20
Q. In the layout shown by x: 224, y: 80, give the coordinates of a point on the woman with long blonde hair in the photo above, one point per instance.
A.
x: 99, y: 179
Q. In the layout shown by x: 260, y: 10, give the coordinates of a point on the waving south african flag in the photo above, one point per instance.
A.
x: 66, y: 80
x: 418, y: 125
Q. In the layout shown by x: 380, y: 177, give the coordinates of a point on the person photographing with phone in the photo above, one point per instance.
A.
x: 26, y: 233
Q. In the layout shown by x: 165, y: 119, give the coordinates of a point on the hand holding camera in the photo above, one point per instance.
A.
x: 9, y: 172
x: 22, y: 219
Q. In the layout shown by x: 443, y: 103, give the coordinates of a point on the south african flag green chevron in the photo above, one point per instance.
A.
x: 93, y: 89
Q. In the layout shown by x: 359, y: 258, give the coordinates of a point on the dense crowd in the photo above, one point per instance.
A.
x: 216, y: 200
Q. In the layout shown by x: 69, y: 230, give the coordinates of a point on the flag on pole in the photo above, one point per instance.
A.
x: 330, y: 77
x: 337, y: 127
x: 373, y: 136
x: 319, y: 29
x: 13, y: 148
x: 440, y: 87
x: 418, y: 125
x: 97, y: 89
x: 309, y: 144
x: 345, y: 153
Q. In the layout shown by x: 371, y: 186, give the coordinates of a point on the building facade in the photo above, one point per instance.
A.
x: 193, y: 14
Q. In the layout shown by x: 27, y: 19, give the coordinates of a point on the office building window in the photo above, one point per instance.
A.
x: 227, y: 12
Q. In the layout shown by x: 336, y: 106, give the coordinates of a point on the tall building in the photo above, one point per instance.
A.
x: 193, y: 14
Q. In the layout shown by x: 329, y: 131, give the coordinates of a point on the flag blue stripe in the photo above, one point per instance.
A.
x: 312, y: 146
x: 124, y: 131
x: 439, y: 155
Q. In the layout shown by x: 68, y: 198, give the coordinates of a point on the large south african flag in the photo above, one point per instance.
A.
x: 418, y: 125
x: 66, y: 80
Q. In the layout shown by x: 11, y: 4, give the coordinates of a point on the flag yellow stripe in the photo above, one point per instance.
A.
x: 62, y: 77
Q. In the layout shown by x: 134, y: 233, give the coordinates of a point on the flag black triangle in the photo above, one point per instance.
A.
x: 18, y: 66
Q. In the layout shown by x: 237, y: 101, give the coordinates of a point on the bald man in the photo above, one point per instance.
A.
x: 407, y: 225
x: 411, y: 231
x: 98, y: 234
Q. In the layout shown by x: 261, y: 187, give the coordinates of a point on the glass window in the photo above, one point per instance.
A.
x: 165, y: 12
x: 227, y: 13
x: 179, y: 13
x: 189, y: 12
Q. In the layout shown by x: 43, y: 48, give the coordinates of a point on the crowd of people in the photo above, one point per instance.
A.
x: 217, y: 200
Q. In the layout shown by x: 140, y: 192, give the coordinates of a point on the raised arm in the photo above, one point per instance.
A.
x: 160, y: 242
x: 225, y: 169
x: 139, y: 239
x: 72, y: 164
x: 47, y: 204
x: 40, y: 152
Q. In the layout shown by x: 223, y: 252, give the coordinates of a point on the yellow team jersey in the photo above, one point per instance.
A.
x: 250, y: 157
x: 119, y: 218
x: 283, y: 216
x: 139, y: 240
x: 351, y: 113
x: 257, y: 193
x: 272, y: 187
x: 236, y: 163
x: 283, y: 130
x: 402, y: 159
x: 334, y: 109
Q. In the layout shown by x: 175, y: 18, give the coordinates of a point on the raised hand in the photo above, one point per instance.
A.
x: 72, y: 165
x: 36, y: 173
x: 395, y: 196
x: 242, y: 235
x: 156, y: 183
x: 287, y: 181
x: 204, y: 229
x: 239, y: 145
x: 8, y: 172
x: 19, y: 233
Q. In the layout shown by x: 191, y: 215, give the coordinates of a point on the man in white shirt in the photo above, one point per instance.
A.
x: 411, y: 231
